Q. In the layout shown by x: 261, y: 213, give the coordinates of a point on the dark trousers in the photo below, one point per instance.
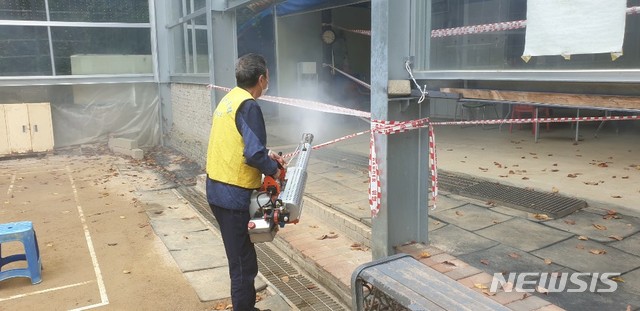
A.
x: 243, y: 263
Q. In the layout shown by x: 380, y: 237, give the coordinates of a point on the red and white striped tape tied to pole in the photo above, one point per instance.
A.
x: 374, y: 177
x: 434, y: 166
x: 385, y: 128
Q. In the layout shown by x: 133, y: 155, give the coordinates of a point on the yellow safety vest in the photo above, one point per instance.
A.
x: 225, y: 160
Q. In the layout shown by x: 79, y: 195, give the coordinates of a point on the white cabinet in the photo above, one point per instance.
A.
x: 25, y: 128
x: 4, y: 135
x: 41, y: 127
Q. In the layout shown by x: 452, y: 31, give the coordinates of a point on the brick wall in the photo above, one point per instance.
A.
x: 191, y: 112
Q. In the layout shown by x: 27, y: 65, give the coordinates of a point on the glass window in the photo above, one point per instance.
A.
x: 502, y: 50
x: 101, y: 50
x: 123, y: 11
x: 23, y: 10
x: 24, y: 51
x: 190, y: 44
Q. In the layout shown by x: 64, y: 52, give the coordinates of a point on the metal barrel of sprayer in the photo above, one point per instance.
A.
x: 296, y: 177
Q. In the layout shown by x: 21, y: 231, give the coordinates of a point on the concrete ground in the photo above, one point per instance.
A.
x: 603, y: 237
x: 113, y: 235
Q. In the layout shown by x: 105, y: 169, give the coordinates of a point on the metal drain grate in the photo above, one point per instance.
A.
x: 300, y: 290
x: 523, y: 199
x: 532, y: 201
x: 455, y: 183
x: 303, y: 293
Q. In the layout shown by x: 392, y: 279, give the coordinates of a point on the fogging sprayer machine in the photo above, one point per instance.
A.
x: 279, y: 202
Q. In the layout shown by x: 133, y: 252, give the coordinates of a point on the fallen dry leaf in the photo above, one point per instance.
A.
x: 616, y: 196
x: 425, y: 254
x: 602, y: 164
x: 484, y: 262
x: 583, y: 238
x: 590, y: 183
x: 491, y: 203
x: 483, y: 169
x: 625, y: 177
x: 313, y: 226
x: 525, y: 178
x: 541, y: 216
x: 555, y: 170
x: 616, y: 237
x: 459, y: 213
x: 480, y: 286
x: 572, y: 175
x: 555, y: 190
x: 542, y: 290
x: 599, y: 227
x: 618, y: 279
x: 514, y: 255
x: 488, y: 293
x: 311, y: 286
x: 597, y: 251
x: 446, y: 262
x: 435, y: 222
x: 580, y: 246
x: 285, y: 279
x: 547, y: 261
x: 570, y: 222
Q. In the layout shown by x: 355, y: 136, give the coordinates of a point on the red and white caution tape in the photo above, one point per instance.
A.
x: 331, y: 142
x: 500, y: 26
x: 392, y: 127
x: 433, y: 165
x: 375, y: 193
x: 358, y: 31
x: 538, y: 120
x: 474, y: 29
x: 305, y: 104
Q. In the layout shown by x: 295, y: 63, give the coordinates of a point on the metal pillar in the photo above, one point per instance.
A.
x: 162, y: 56
x: 403, y: 157
x: 223, y: 47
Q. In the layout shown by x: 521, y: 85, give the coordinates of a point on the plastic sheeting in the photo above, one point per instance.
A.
x: 94, y: 113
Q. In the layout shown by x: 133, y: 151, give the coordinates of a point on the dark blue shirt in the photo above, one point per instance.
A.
x: 250, y: 125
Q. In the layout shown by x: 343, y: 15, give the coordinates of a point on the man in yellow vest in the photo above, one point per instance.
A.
x: 236, y: 159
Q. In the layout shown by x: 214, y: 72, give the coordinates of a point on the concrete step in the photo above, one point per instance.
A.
x: 327, y: 245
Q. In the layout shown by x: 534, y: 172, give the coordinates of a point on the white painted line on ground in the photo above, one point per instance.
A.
x: 94, y: 259
x: 13, y: 180
x: 44, y: 291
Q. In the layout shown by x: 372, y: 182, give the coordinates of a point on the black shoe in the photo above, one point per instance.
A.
x: 256, y: 309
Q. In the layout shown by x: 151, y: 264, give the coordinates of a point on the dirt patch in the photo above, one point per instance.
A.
x: 95, y: 241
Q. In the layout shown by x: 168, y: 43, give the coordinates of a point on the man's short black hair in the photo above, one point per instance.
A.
x: 249, y: 68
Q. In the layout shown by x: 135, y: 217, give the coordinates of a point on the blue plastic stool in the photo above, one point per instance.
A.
x: 21, y: 231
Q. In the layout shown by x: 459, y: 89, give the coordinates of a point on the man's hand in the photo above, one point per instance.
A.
x: 278, y: 159
x: 276, y: 176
